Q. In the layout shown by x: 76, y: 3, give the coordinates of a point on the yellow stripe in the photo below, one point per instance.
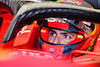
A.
x: 92, y: 33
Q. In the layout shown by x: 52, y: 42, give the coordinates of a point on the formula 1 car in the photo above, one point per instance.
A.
x: 19, y: 32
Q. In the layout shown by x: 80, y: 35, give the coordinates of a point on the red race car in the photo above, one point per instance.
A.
x: 65, y: 33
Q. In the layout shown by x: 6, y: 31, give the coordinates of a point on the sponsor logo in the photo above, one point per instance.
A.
x: 51, y: 49
x: 57, y: 20
x: 24, y: 30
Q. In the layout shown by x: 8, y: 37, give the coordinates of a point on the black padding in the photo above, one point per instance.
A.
x: 1, y: 19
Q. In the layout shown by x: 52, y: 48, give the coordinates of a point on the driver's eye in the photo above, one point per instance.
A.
x: 52, y: 33
x: 67, y: 37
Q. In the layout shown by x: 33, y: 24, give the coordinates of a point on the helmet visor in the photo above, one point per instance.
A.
x: 60, y: 36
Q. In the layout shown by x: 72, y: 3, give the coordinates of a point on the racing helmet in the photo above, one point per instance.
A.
x: 74, y: 34
x: 81, y: 35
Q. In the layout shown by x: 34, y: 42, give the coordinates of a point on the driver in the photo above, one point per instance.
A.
x: 60, y: 36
